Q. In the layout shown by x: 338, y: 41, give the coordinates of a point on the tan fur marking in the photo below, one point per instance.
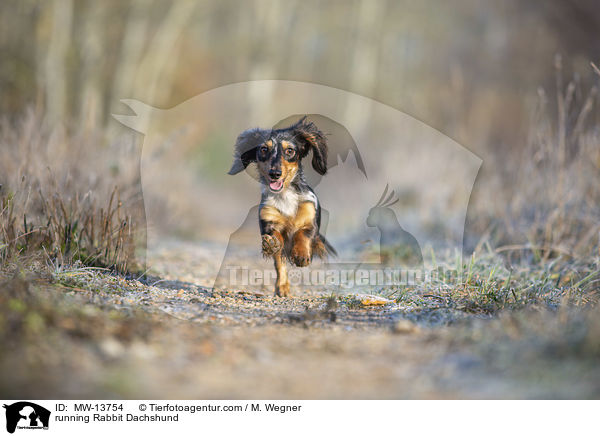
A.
x: 301, y: 249
x: 305, y: 216
x: 301, y: 245
x: 318, y: 248
x: 289, y: 171
x: 282, y: 285
x: 303, y: 220
x: 275, y: 217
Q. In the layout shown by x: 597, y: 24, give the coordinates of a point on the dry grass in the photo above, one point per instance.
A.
x: 64, y: 195
x: 545, y: 202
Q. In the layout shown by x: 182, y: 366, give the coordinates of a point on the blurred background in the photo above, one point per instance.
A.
x: 511, y: 81
x: 465, y: 67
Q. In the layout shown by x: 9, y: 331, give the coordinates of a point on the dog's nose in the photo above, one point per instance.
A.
x: 275, y: 174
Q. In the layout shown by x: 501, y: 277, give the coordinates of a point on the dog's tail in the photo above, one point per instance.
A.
x: 323, y: 248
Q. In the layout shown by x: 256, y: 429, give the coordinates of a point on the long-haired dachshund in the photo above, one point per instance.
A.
x: 289, y: 211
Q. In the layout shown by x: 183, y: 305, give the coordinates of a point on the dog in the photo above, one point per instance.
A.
x: 289, y: 210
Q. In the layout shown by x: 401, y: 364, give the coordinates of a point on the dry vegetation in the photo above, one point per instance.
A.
x: 63, y: 196
x: 547, y: 205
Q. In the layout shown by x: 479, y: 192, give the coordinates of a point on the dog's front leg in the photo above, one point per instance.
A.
x: 282, y: 285
x: 271, y: 225
x: 272, y: 245
x: 305, y: 231
x: 301, y: 248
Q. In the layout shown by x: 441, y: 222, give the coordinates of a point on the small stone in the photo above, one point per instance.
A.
x: 373, y: 300
x: 404, y: 326
x: 111, y: 347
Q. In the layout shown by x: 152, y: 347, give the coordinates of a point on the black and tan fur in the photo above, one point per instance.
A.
x: 289, y: 211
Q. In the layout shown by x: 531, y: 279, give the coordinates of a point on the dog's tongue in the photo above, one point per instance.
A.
x: 276, y: 186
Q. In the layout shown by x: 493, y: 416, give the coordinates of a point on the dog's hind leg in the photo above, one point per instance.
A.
x: 282, y: 285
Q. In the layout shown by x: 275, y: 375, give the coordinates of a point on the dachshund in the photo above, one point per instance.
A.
x: 289, y: 211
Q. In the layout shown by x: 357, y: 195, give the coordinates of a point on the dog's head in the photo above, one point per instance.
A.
x: 278, y: 153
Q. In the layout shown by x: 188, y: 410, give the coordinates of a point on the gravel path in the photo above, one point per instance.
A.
x: 89, y: 335
x: 315, y: 346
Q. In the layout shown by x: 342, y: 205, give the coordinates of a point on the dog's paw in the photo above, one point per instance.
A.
x: 270, y: 245
x: 282, y: 290
x: 300, y: 256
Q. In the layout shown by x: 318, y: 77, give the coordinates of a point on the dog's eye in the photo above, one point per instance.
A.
x: 263, y: 149
x: 289, y: 152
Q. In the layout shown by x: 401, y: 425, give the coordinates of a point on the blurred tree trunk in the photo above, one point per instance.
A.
x: 267, y: 61
x: 55, y: 80
x: 363, y: 73
x: 91, y: 105
x: 132, y: 49
x: 160, y: 52
x: 267, y: 18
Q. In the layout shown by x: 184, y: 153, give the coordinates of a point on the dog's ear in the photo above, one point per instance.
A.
x: 245, y: 149
x: 312, y: 139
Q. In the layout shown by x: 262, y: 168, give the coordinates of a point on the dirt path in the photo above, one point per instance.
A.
x: 174, y: 337
x: 315, y: 346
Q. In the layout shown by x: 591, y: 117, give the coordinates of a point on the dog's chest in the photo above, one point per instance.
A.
x: 287, y: 201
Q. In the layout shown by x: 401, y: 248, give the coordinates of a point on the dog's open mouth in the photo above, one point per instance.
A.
x: 276, y: 186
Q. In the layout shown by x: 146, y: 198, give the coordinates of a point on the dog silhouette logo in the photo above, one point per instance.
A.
x: 185, y: 167
x: 26, y: 415
x: 340, y: 144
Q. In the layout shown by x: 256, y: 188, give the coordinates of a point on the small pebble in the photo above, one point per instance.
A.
x: 405, y: 326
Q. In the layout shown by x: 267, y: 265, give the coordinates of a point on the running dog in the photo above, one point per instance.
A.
x: 289, y: 211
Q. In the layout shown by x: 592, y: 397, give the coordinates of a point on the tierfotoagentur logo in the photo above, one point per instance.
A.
x: 25, y: 415
x: 392, y: 202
